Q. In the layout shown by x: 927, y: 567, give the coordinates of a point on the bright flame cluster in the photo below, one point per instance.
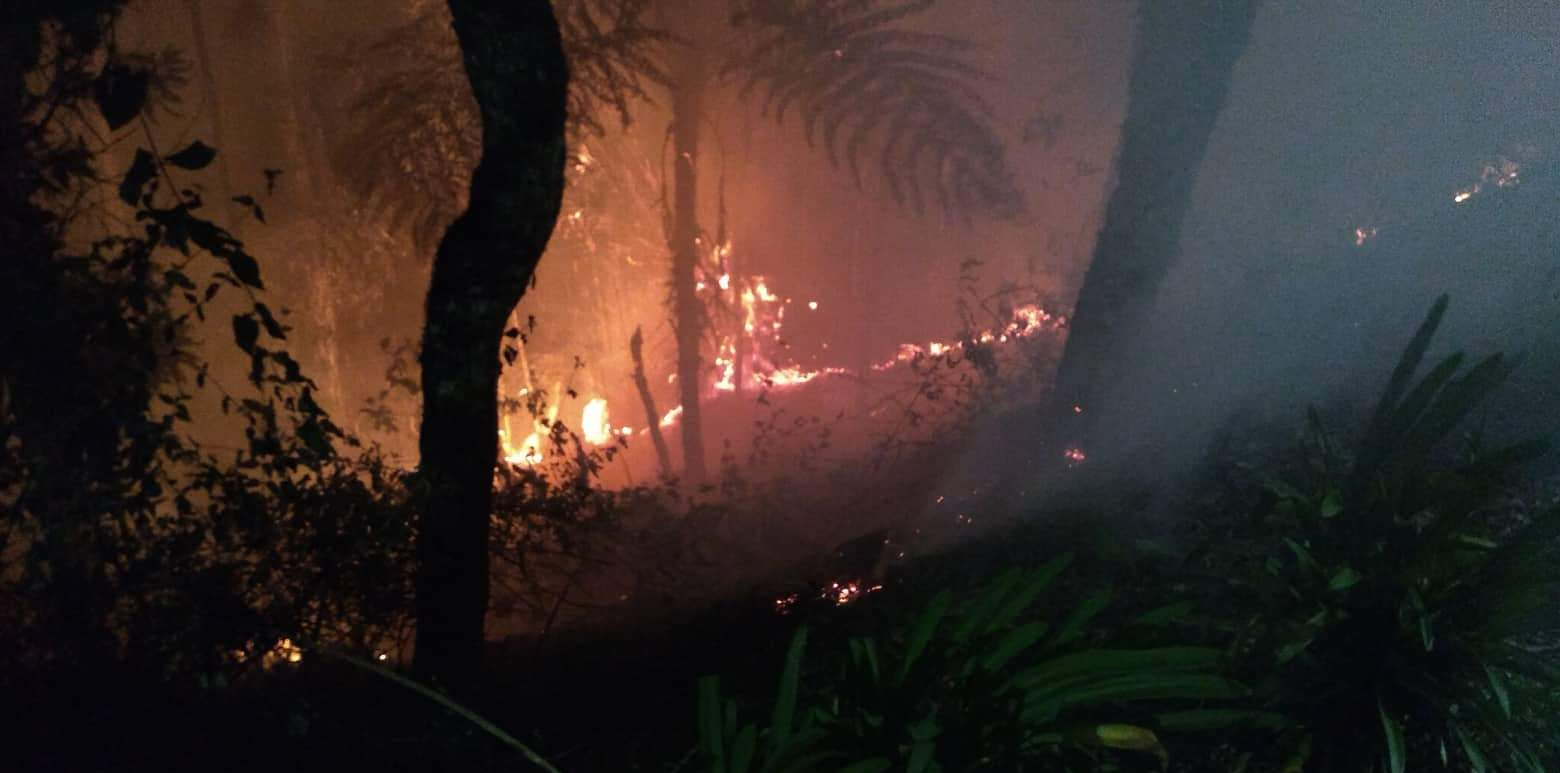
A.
x: 757, y: 346
x: 838, y: 593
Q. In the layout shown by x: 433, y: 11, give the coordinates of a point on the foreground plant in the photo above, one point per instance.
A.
x: 975, y: 686
x: 1397, y: 618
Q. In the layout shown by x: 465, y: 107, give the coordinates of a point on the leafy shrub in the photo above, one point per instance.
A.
x: 1395, y: 614
x: 974, y: 686
x: 125, y: 540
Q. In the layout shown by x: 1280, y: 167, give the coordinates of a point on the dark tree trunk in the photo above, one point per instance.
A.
x: 513, y: 55
x: 688, y: 310
x: 1181, y: 71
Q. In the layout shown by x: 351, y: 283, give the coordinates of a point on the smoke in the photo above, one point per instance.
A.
x: 1370, y: 158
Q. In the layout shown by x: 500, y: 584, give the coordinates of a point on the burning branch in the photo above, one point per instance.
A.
x: 652, y: 417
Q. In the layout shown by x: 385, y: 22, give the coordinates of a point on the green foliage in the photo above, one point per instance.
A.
x: 974, y: 685
x: 123, y: 538
x: 422, y: 136
x: 1395, y: 615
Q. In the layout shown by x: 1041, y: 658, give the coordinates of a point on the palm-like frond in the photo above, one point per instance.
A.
x: 613, y: 56
x: 862, y: 85
x: 419, y: 133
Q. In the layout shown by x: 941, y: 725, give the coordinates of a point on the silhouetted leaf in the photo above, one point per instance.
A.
x: 142, y: 170
x: 120, y: 93
x: 272, y: 327
x: 197, y: 155
x: 246, y: 331
x: 245, y: 268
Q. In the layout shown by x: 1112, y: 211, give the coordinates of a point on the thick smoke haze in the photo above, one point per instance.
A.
x: 1371, y: 157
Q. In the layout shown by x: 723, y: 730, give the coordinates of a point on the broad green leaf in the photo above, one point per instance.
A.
x: 1291, y: 650
x: 1498, y: 686
x: 920, y: 757
x: 1344, y: 579
x: 986, y: 604
x: 1031, y: 587
x: 1395, y: 743
x: 1131, y: 738
x: 710, y: 733
x: 1476, y: 757
x: 1303, y: 556
x: 742, y: 749
x: 1456, y: 401
x: 924, y: 729
x: 921, y: 634
x: 1332, y: 504
x: 1407, y: 364
x: 1413, y: 407
x: 1072, y: 627
x: 1013, y: 644
x: 1137, y: 687
x: 1169, y: 613
x: 1102, y: 663
x: 785, y: 702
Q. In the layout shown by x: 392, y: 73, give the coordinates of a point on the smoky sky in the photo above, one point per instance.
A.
x: 1368, y: 116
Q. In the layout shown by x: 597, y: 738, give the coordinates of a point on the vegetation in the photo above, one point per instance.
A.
x: 1393, y: 609
x: 1368, y: 600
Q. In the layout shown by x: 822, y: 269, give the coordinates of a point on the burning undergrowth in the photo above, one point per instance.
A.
x: 826, y: 480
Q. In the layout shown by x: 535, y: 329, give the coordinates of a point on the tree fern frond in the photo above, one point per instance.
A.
x: 863, y: 84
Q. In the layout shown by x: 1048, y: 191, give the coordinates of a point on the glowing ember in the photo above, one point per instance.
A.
x: 813, y: 305
x: 1075, y: 455
x: 1501, y: 173
x: 784, y: 604
x: 285, y: 651
x: 671, y: 416
x: 526, y: 454
x: 838, y: 593
x: 845, y: 593
x: 1026, y: 321
x: 1363, y: 234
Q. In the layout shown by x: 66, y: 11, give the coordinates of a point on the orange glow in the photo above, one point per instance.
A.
x: 593, y: 422
x: 671, y: 416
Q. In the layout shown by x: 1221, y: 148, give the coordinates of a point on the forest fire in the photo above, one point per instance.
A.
x: 839, y: 593
x: 751, y: 360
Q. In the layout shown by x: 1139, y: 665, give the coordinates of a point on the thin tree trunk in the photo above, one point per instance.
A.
x: 513, y: 55
x: 688, y: 309
x: 642, y: 383
x: 1181, y: 72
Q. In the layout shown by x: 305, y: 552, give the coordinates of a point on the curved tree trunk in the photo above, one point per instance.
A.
x: 514, y: 57
x: 1181, y: 71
